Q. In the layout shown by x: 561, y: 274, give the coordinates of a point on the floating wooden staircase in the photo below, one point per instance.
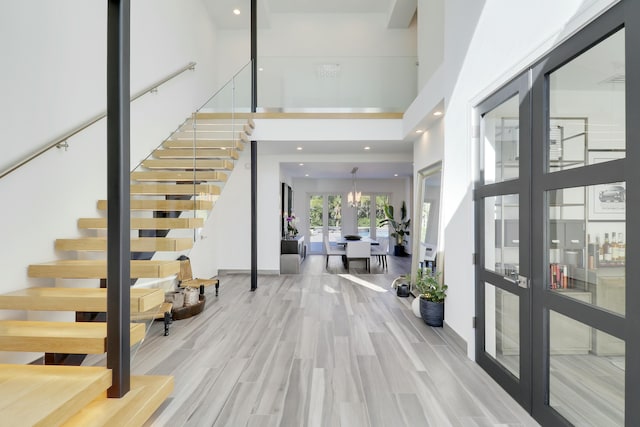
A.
x: 50, y: 395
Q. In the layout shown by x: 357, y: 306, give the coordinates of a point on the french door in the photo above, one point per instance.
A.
x: 557, y: 207
x: 325, y: 220
x: 502, y: 206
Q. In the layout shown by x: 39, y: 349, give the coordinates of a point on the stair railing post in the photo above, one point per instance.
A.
x: 254, y: 149
x: 118, y: 193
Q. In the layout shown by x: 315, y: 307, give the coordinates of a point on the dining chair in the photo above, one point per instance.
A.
x: 380, y: 252
x: 359, y: 250
x: 332, y: 251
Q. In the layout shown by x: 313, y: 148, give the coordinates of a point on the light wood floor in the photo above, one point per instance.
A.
x: 323, y: 348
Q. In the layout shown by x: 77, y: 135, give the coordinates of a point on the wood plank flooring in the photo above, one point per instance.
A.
x: 323, y: 348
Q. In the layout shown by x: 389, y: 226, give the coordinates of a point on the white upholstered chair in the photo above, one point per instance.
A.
x: 332, y: 251
x: 359, y: 250
x: 380, y: 252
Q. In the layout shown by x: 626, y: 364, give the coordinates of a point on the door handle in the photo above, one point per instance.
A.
x: 521, y: 281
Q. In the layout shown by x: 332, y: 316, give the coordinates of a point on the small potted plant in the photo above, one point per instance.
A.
x: 292, y: 229
x: 432, y: 293
x: 400, y: 228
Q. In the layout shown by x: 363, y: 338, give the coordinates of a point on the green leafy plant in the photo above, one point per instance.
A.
x: 430, y: 287
x: 401, y: 227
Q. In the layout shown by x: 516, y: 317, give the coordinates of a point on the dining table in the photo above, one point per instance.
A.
x: 342, y: 241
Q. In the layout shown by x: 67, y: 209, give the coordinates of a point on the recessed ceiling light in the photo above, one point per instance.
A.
x: 419, y: 130
x: 306, y: 174
x: 395, y: 174
x: 437, y: 113
x: 236, y: 11
x: 367, y: 148
x: 299, y: 148
x: 260, y: 69
x: 301, y: 164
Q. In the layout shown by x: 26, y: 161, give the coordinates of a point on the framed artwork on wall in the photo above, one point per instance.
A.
x: 607, y: 202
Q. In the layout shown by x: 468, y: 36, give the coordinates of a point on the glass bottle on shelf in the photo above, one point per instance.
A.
x: 614, y: 248
x: 621, y: 249
x: 598, y: 252
x: 606, y: 249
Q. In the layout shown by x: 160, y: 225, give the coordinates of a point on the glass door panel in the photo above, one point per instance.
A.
x: 325, y: 220
x: 502, y: 241
x: 382, y: 233
x: 364, y: 216
x: 501, y: 141
x: 502, y: 327
x: 316, y: 223
x: 585, y: 254
x: 581, y: 241
x: 587, y: 107
x: 586, y: 372
x: 334, y: 215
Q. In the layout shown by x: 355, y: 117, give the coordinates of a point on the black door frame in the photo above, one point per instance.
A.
x: 625, y: 14
x: 519, y: 388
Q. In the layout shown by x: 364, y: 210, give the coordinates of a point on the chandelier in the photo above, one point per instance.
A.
x: 354, y: 196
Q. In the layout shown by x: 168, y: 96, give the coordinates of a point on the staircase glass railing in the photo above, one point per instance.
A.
x: 175, y: 187
x: 337, y: 83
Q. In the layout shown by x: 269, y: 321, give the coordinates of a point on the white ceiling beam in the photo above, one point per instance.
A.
x: 401, y: 13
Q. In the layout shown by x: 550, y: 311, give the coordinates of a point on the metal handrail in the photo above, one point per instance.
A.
x: 61, y: 140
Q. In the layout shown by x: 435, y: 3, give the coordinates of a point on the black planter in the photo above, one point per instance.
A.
x: 432, y: 312
x: 398, y: 250
x: 403, y: 290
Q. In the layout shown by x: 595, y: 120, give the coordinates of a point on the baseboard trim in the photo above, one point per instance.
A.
x: 233, y: 271
x: 454, y: 338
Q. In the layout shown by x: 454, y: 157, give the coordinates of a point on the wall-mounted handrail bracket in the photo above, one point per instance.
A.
x: 63, y: 144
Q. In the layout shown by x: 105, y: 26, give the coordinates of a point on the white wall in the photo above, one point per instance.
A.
x: 430, y: 40
x: 486, y: 43
x: 53, y: 79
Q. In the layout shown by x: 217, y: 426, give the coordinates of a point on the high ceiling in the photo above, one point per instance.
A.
x: 399, y: 12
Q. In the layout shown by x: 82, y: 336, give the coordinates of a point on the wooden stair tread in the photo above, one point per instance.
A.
x: 223, y: 115
x: 145, y: 396
x: 188, y: 164
x: 59, y: 337
x: 154, y: 313
x: 145, y: 223
x: 164, y: 205
x: 37, y: 395
x: 76, y: 299
x: 199, y: 153
x: 158, y: 176
x: 212, y: 128
x: 173, y: 189
x: 142, y: 244
x: 97, y: 269
x: 203, y: 143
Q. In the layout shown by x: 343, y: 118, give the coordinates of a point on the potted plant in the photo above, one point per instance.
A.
x: 432, y: 293
x: 400, y: 228
x: 292, y: 229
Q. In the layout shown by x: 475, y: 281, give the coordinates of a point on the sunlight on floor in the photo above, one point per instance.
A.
x: 330, y: 290
x: 359, y: 281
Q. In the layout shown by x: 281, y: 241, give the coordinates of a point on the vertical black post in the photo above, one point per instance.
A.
x: 118, y: 237
x: 254, y: 149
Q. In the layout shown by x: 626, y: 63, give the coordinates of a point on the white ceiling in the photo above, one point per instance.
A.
x: 328, y: 6
x: 382, y: 160
x: 324, y: 170
x: 399, y: 12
